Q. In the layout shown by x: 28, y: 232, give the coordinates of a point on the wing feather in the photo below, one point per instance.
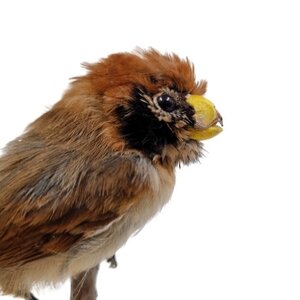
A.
x: 52, y: 199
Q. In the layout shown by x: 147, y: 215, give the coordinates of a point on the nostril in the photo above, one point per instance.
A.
x: 220, y: 118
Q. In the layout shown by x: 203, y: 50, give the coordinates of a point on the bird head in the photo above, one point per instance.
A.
x: 152, y: 103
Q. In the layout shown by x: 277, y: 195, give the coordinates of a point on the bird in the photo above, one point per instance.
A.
x: 91, y: 171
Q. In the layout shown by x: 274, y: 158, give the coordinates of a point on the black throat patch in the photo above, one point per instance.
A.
x: 142, y: 130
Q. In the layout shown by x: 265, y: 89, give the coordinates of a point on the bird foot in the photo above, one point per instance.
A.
x: 31, y: 297
x: 112, y: 262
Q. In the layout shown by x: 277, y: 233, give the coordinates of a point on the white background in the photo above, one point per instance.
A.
x: 232, y: 228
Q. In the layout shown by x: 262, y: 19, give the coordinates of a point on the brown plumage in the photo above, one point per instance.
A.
x: 93, y: 169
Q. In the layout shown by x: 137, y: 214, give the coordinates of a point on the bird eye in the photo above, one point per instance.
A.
x: 166, y: 102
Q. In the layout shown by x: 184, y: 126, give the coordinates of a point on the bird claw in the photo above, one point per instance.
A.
x: 32, y: 297
x: 112, y: 262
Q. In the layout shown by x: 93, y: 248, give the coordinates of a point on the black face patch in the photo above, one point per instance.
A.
x: 141, y: 129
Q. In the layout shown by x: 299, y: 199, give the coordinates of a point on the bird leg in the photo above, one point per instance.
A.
x: 83, y: 286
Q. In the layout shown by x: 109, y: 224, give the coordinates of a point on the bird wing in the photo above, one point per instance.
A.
x: 51, y: 201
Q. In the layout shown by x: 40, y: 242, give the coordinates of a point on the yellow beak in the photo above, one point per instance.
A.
x: 207, y: 118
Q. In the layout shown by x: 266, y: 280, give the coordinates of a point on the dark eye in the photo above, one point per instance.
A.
x: 166, y: 102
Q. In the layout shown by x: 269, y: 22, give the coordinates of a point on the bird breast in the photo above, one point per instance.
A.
x: 105, y: 242
x: 98, y: 247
